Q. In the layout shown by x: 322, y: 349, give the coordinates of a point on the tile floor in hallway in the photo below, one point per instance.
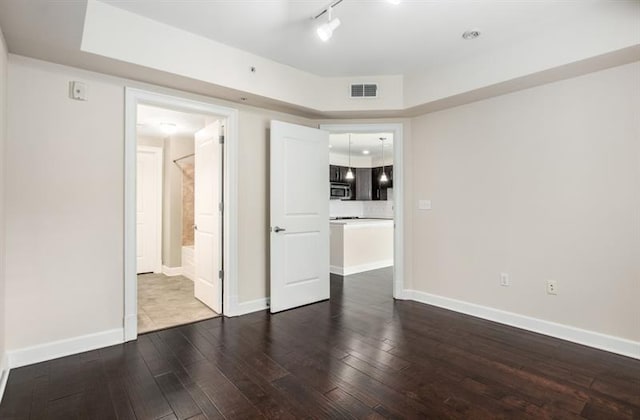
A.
x: 167, y: 301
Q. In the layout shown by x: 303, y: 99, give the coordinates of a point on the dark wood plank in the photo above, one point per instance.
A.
x: 358, y: 355
x: 179, y: 399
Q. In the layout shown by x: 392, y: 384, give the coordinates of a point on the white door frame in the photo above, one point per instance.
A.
x: 398, y: 191
x: 158, y: 210
x: 134, y: 97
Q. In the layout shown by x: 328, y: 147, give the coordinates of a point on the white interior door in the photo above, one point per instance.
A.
x: 149, y: 210
x: 299, y: 215
x: 208, y: 217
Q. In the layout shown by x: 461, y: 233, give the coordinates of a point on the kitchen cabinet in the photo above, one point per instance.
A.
x: 334, y: 173
x: 379, y: 190
x: 363, y: 184
x: 366, y: 183
x: 338, y: 174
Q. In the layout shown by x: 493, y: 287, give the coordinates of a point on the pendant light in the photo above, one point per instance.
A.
x: 349, y: 175
x: 383, y: 177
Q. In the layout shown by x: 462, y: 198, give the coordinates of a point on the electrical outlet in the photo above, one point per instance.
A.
x: 552, y: 287
x: 504, y: 279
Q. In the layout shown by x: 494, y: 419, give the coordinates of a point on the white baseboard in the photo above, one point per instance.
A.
x: 565, y: 332
x: 61, y: 348
x: 131, y: 327
x: 355, y: 269
x: 4, y: 374
x: 243, y: 308
x: 171, y: 271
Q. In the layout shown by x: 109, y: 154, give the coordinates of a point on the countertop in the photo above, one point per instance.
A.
x: 362, y: 222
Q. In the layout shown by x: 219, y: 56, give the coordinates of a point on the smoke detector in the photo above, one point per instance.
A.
x: 471, y: 34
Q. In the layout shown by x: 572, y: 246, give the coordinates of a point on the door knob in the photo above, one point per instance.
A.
x: 278, y: 229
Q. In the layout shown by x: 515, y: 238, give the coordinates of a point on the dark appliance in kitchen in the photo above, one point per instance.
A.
x: 340, y: 191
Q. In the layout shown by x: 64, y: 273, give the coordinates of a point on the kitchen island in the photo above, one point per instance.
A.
x: 359, y: 245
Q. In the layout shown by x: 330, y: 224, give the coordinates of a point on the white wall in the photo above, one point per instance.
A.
x: 3, y: 111
x: 64, y: 205
x: 541, y: 184
x: 65, y: 202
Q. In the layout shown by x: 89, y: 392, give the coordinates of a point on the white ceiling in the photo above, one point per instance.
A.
x: 376, y: 37
x: 150, y: 118
x: 361, y: 142
x: 524, y: 43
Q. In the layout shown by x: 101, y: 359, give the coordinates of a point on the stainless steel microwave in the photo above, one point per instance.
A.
x: 340, y: 191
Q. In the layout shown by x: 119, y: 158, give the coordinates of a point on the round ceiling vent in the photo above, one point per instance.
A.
x: 473, y: 34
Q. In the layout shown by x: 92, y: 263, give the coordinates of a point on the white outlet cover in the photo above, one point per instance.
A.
x: 424, y: 204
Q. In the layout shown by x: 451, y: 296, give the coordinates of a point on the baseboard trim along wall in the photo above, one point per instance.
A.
x: 61, y: 348
x: 355, y: 269
x: 4, y: 374
x: 565, y: 332
x: 171, y: 271
x: 243, y: 308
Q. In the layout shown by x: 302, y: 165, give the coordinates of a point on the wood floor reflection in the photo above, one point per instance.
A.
x: 359, y: 355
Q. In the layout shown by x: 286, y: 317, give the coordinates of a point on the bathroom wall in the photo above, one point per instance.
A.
x: 188, y: 219
x: 172, y: 221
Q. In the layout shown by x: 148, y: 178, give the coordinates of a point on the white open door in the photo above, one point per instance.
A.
x: 299, y: 215
x: 148, y: 210
x: 208, y: 217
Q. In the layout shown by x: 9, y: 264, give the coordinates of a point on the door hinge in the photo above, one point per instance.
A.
x: 221, y: 139
x: 221, y: 274
x: 221, y: 206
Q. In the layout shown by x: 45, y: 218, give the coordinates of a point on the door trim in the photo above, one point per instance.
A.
x: 158, y: 151
x: 199, y: 105
x: 398, y: 191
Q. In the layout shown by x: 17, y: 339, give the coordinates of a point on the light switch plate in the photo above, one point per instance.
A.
x: 424, y: 204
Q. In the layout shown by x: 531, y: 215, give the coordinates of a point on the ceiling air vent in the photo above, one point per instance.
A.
x: 364, y: 90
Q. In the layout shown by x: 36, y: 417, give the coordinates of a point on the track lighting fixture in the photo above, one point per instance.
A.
x: 325, y: 31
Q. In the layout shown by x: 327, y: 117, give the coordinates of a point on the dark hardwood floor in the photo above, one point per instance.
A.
x: 359, y: 355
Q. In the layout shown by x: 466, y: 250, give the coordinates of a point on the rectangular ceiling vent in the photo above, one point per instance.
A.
x: 364, y: 90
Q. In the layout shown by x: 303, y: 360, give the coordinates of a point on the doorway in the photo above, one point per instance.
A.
x: 366, y: 228
x: 178, y: 222
x: 300, y: 192
x: 361, y: 209
x: 195, y: 247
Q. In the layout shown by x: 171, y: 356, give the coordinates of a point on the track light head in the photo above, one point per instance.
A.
x: 325, y: 31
